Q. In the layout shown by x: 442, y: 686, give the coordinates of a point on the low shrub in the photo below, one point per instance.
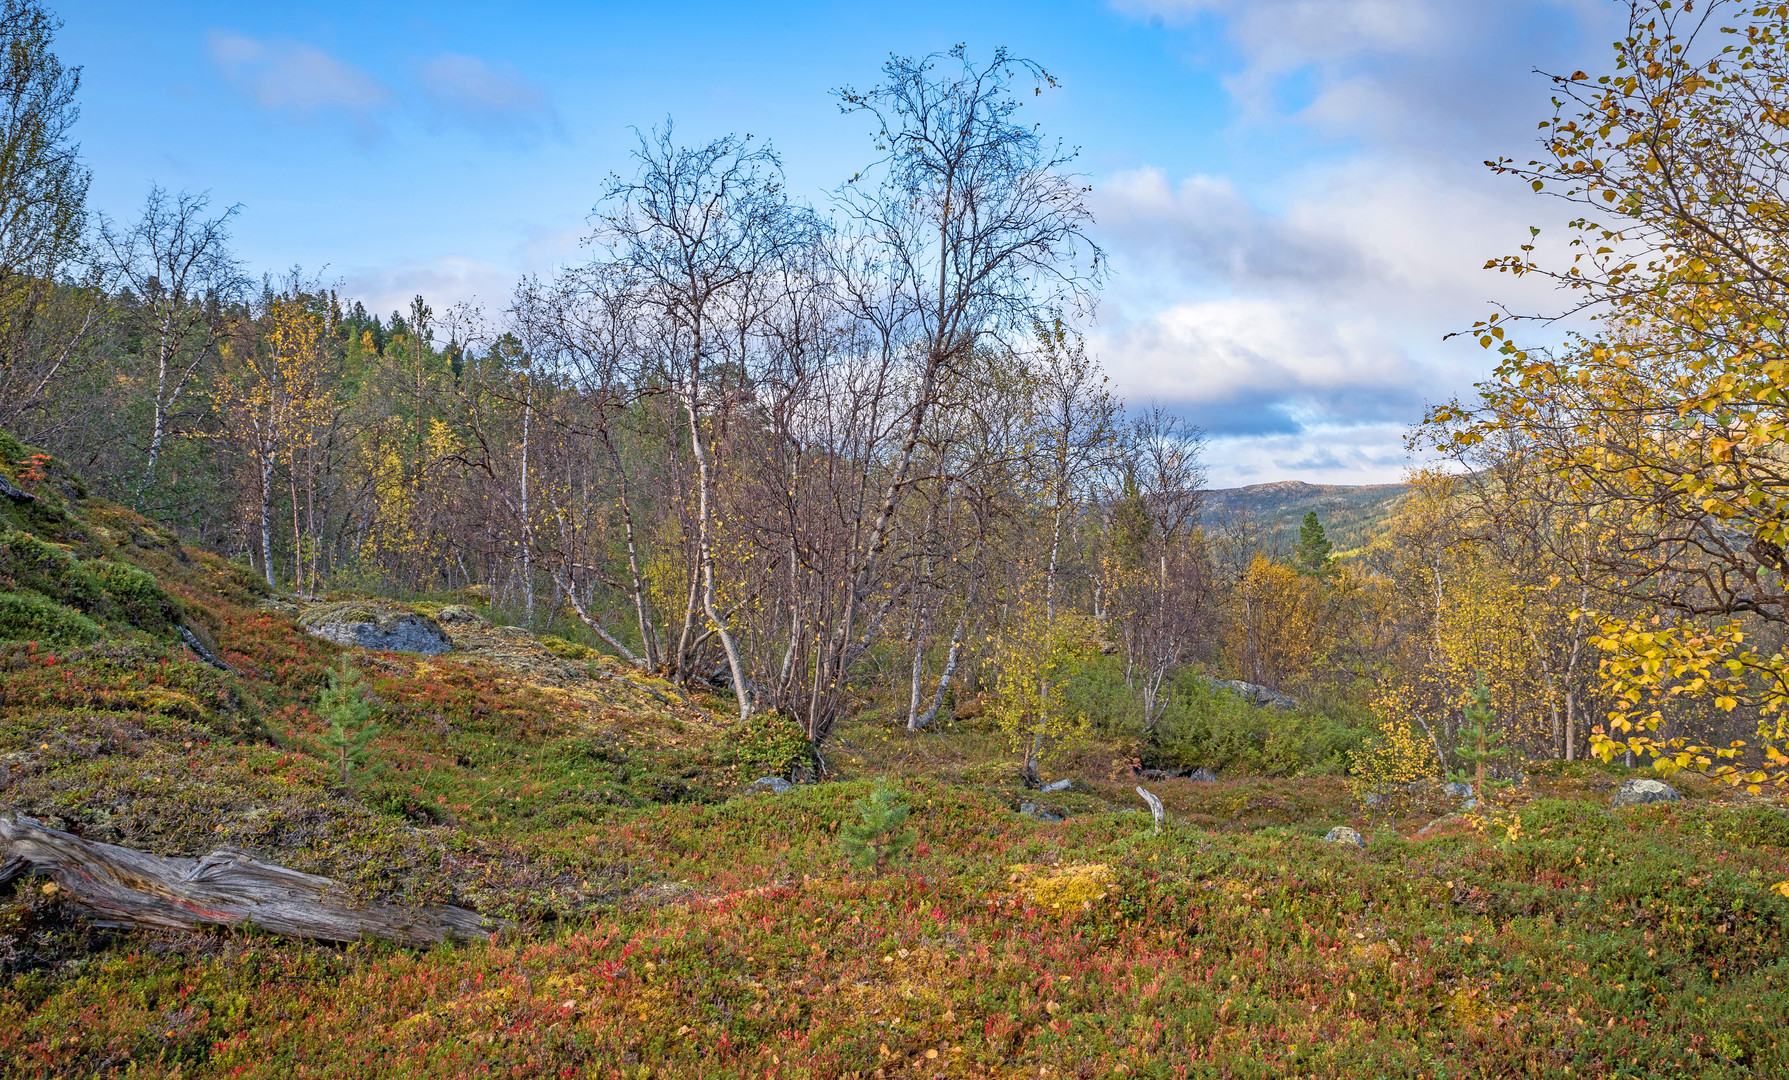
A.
x: 139, y: 599
x: 1204, y: 725
x: 30, y: 616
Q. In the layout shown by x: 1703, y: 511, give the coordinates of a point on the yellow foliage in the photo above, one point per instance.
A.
x: 1281, y: 627
x: 1389, y: 760
x: 1029, y: 658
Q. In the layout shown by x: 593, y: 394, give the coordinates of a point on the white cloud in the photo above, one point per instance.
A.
x: 304, y: 81
x: 291, y: 76
x: 1257, y: 365
x: 1287, y: 32
x: 1357, y: 454
x: 1301, y: 321
x: 492, y: 98
x: 443, y: 281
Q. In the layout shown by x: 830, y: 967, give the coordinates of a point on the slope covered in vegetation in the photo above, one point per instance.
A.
x: 1353, y: 514
x: 668, y: 923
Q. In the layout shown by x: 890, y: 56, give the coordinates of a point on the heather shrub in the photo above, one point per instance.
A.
x: 1214, y: 728
x: 30, y: 616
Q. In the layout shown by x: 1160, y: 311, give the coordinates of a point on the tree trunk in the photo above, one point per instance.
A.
x: 267, y: 519
x: 641, y: 612
x: 584, y: 616
x: 950, y: 666
x: 119, y: 886
x: 705, y: 558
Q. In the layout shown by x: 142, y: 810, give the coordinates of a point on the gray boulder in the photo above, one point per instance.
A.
x: 1342, y: 834
x: 1455, y: 790
x: 373, y: 627
x: 1058, y: 785
x: 1256, y: 694
x: 776, y: 785
x: 1642, y: 790
x: 1202, y: 775
x: 1035, y: 811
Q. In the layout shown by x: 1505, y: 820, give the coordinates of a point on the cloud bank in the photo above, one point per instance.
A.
x: 1300, y: 320
x: 451, y: 89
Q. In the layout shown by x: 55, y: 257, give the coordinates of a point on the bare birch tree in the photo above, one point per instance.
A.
x: 176, y: 261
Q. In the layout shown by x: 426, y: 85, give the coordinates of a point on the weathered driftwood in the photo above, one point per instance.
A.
x: 120, y: 887
x: 1155, y: 807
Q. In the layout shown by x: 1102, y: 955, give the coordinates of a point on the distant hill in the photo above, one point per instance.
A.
x: 1352, y: 514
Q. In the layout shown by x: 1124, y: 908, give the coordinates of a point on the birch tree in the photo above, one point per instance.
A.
x: 176, y: 261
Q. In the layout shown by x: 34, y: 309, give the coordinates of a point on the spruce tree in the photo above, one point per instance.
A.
x: 1479, y: 743
x: 351, y: 730
x: 877, y: 835
x: 1313, y: 546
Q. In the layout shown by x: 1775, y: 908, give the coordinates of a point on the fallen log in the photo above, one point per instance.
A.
x: 117, y: 886
x: 14, y: 493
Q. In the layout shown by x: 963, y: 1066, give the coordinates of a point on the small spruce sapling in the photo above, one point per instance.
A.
x: 351, y: 729
x: 1478, y: 743
x: 877, y: 835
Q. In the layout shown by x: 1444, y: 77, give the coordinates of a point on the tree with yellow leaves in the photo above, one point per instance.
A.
x: 1031, y: 657
x: 273, y: 397
x: 1666, y: 423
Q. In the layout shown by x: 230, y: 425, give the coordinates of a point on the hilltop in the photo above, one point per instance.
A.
x: 668, y: 919
x: 1352, y: 514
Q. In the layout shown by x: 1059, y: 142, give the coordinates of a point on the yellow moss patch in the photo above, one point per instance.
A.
x: 1062, y: 888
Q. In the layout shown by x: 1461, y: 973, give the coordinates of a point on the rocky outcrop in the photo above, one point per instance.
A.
x: 16, y: 494
x: 1641, y: 790
x: 1342, y: 834
x: 1256, y: 694
x: 372, y: 626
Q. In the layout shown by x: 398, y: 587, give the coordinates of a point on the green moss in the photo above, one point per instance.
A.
x: 567, y: 650
x: 12, y: 451
x: 30, y: 616
x: 136, y: 593
x: 29, y: 563
x: 342, y: 611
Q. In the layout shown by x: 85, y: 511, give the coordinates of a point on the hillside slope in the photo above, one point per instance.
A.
x: 1351, y: 514
x: 668, y: 924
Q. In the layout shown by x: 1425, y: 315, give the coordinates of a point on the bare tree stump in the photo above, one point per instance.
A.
x: 117, y: 886
x: 1155, y: 807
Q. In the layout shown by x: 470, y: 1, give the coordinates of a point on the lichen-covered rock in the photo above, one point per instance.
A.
x: 1256, y: 694
x: 1454, y: 789
x: 1342, y: 834
x: 458, y: 615
x: 776, y: 785
x: 1642, y: 790
x: 373, y: 627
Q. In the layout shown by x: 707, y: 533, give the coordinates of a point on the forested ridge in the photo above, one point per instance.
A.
x: 775, y: 631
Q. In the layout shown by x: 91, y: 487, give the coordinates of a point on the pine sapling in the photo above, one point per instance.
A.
x: 877, y: 835
x: 351, y: 729
x: 1479, y: 743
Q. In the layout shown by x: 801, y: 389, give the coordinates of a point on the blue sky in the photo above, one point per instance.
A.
x: 1291, y: 189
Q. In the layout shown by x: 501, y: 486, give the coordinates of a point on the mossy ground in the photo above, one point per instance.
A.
x: 670, y: 925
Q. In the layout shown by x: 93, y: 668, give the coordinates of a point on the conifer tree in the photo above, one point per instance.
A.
x: 351, y: 730
x: 1478, y: 743
x: 1313, y: 546
x: 877, y: 835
